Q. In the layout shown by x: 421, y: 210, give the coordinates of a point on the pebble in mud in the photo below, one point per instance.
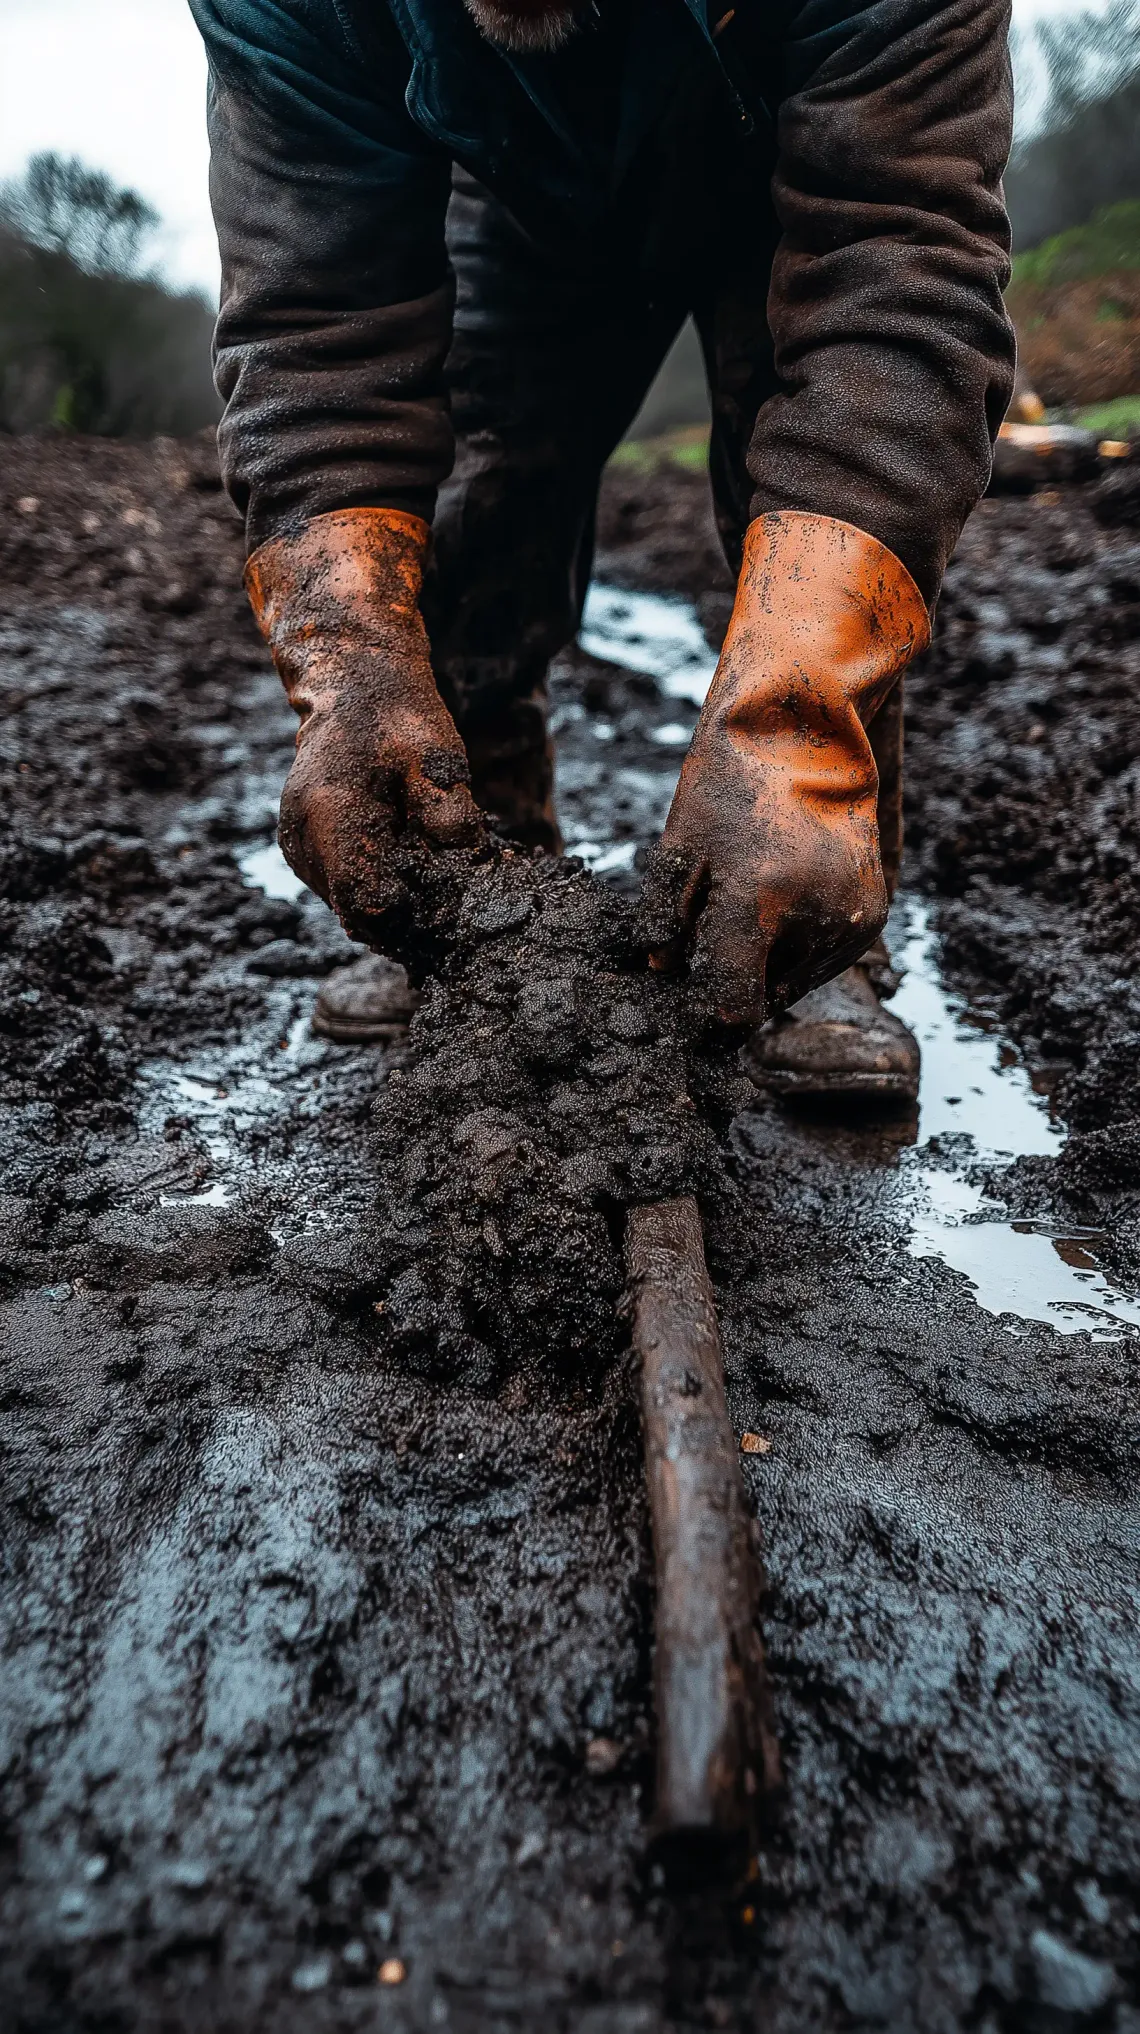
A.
x: 1067, y: 1981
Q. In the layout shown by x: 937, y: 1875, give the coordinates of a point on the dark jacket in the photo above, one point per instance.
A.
x: 880, y: 131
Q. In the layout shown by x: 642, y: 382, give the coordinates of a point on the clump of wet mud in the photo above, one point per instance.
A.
x: 553, y: 1082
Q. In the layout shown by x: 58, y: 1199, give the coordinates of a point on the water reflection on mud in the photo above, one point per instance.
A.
x: 265, y: 868
x: 973, y: 1088
x: 646, y: 632
x: 977, y: 1105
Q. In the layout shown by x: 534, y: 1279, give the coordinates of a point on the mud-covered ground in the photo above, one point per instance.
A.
x: 325, y: 1692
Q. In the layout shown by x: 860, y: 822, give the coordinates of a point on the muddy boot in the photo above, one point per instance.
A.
x: 839, y: 1040
x: 370, y: 1002
x: 512, y: 770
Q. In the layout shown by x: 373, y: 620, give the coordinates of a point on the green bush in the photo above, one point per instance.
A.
x: 1109, y: 240
x: 1119, y: 419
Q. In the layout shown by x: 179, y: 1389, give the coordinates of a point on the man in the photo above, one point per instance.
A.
x: 458, y: 237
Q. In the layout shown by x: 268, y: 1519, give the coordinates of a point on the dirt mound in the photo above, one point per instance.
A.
x: 549, y: 1089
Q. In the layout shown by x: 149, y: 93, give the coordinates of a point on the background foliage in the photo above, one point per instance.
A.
x: 89, y: 339
x: 92, y: 340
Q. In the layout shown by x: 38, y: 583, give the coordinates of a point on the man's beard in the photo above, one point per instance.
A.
x: 526, y: 30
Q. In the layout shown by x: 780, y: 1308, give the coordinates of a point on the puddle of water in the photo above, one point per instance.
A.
x: 265, y: 868
x: 216, y: 1196
x: 1019, y: 1268
x: 602, y: 857
x: 233, y: 1093
x: 195, y: 1091
x: 646, y: 632
x: 973, y: 1087
x: 971, y: 1084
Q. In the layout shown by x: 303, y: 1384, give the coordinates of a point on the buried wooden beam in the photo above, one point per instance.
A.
x: 716, y: 1748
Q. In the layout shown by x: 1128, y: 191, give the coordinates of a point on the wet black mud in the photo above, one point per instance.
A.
x: 550, y: 1086
x: 327, y: 1618
x: 1024, y: 812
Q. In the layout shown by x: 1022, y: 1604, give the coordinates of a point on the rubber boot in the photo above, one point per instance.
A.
x: 512, y: 769
x: 839, y: 1040
x: 367, y: 1002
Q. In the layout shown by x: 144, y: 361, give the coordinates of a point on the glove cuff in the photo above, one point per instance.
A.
x: 819, y: 598
x: 342, y: 575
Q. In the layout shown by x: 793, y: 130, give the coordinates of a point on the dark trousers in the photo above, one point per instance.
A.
x: 548, y: 367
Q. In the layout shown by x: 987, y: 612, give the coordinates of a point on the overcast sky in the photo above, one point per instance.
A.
x: 122, y: 84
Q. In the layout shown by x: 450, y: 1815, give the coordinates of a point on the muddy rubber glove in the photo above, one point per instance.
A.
x: 380, y: 765
x: 767, y: 879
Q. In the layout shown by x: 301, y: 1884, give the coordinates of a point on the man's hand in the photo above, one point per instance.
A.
x: 380, y: 766
x: 767, y: 879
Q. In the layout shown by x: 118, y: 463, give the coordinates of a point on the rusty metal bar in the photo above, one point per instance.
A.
x: 716, y: 1747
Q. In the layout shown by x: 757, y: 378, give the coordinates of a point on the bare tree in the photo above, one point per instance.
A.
x: 90, y: 341
x: 1079, y: 77
x: 60, y: 205
x: 1087, y: 56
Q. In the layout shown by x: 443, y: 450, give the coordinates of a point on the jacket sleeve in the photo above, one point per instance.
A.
x: 891, y: 336
x: 336, y: 300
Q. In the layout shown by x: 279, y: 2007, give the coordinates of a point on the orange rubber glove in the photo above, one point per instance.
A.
x: 767, y: 879
x: 379, y: 759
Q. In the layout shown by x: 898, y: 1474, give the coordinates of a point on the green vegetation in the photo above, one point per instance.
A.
x: 1109, y: 240
x: 1076, y: 303
x: 688, y: 446
x: 1112, y: 420
x: 89, y: 340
